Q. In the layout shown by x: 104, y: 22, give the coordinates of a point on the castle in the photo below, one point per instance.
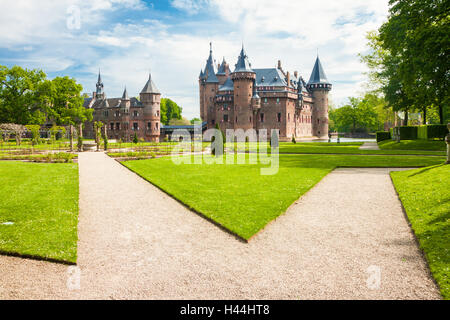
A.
x: 269, y: 98
x: 124, y: 117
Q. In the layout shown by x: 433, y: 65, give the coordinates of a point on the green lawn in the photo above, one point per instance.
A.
x: 242, y: 200
x: 430, y: 145
x: 350, y: 148
x: 41, y: 200
x: 425, y: 194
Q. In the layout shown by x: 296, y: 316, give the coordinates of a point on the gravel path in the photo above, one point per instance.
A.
x: 136, y: 242
x: 370, y: 146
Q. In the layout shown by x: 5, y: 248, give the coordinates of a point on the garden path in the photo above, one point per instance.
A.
x: 137, y: 242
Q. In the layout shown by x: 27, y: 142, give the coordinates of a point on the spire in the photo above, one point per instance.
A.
x: 210, y: 68
x: 243, y: 65
x: 318, y: 74
x: 222, y: 68
x: 99, y: 84
x: 125, y: 95
x: 150, y: 87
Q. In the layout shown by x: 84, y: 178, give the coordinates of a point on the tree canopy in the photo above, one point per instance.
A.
x: 169, y: 110
x: 28, y: 97
x: 409, y: 56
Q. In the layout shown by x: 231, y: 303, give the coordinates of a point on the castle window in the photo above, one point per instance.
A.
x: 250, y: 119
x: 156, y: 126
x: 149, y: 125
x: 265, y: 100
x: 157, y: 113
x: 225, y: 118
x: 213, y: 122
x: 135, y: 113
x: 118, y: 126
x: 261, y: 117
x: 117, y: 114
x: 135, y: 126
x: 112, y: 125
x: 278, y: 100
x: 279, y: 116
x: 289, y: 117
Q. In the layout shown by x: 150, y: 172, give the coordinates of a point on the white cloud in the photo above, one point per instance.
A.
x: 126, y: 50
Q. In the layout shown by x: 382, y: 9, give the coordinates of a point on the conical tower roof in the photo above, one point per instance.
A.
x: 222, y: 69
x: 243, y: 65
x: 150, y: 87
x: 210, y: 68
x: 318, y: 74
x: 125, y: 95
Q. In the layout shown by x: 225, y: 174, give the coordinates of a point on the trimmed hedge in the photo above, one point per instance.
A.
x: 383, y: 135
x: 432, y: 131
x: 408, y: 133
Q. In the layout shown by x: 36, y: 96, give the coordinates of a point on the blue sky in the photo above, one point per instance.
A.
x: 128, y: 38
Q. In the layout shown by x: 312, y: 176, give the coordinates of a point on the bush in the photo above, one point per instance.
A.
x: 293, y: 139
x: 383, y: 135
x: 437, y: 131
x: 408, y: 133
x: 135, y: 138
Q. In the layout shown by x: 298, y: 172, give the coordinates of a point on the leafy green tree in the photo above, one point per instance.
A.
x: 67, y: 104
x: 358, y: 115
x: 169, y: 110
x: 409, y: 56
x: 193, y: 120
x: 20, y: 100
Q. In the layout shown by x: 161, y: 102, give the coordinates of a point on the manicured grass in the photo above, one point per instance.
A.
x: 425, y: 194
x: 41, y: 200
x: 430, y: 145
x: 242, y: 200
x: 61, y: 157
x: 347, y: 148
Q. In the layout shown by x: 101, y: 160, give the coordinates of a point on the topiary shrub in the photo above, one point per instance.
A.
x: 293, y: 139
x: 383, y: 135
x: 135, y: 138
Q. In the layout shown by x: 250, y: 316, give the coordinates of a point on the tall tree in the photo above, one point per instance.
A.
x: 67, y: 104
x: 20, y: 101
x: 169, y: 110
x: 409, y: 55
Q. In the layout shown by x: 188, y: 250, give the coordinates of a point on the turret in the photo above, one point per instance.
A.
x: 150, y: 99
x: 223, y: 72
x: 209, y: 85
x: 319, y: 87
x: 99, y: 93
x: 125, y: 101
x: 244, y: 84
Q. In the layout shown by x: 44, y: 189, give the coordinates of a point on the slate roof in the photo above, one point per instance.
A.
x: 222, y: 70
x: 210, y: 69
x: 150, y: 87
x: 125, y: 95
x: 227, y: 86
x: 318, y: 74
x: 270, y: 77
x: 243, y: 65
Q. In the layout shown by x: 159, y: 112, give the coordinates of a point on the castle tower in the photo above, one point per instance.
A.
x: 223, y: 72
x: 319, y: 86
x: 244, y: 81
x: 99, y: 93
x: 209, y: 85
x: 125, y: 101
x: 150, y: 99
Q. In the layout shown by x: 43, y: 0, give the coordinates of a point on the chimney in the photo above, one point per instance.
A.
x: 295, y: 74
x: 279, y: 64
x: 288, y: 78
